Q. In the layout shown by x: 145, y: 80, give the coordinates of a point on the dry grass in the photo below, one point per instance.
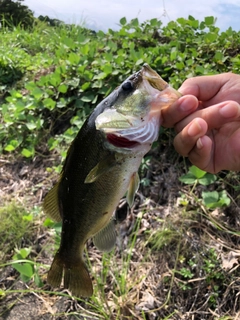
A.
x: 170, y: 262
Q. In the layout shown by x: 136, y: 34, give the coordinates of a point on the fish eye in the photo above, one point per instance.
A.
x: 127, y: 86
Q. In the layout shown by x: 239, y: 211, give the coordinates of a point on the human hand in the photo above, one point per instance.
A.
x: 209, y: 134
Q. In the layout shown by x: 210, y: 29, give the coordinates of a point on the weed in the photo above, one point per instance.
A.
x: 14, y: 227
x: 211, y: 199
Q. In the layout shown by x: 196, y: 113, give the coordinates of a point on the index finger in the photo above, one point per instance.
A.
x: 204, y: 87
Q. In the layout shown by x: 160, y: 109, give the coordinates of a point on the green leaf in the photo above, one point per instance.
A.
x: 2, y: 293
x: 210, y: 198
x: 86, y: 98
x: 25, y: 269
x: 37, y: 93
x: 100, y: 76
x: 31, y: 125
x: 211, y: 37
x: 49, y: 103
x: 48, y: 223
x: 209, y: 21
x: 135, y: 22
x: 12, y: 145
x: 55, y: 80
x: 9, y: 148
x: 62, y: 88
x: 188, y: 178
x: 25, y: 252
x: 85, y: 86
x: 28, y: 217
x: 139, y: 62
x: 225, y: 200
x: 38, y: 281
x: 198, y: 173
x: 123, y: 21
x: 27, y: 152
x: 207, y: 179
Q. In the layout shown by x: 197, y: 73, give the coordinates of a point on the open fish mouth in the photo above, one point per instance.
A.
x: 129, y: 129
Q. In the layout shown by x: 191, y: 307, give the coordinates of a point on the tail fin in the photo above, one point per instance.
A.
x: 76, y: 277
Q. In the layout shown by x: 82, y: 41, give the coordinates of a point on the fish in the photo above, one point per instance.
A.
x: 101, y: 167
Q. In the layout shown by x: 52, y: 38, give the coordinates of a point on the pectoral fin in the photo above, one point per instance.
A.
x: 132, y: 189
x: 50, y: 204
x: 105, y: 239
x: 102, y: 167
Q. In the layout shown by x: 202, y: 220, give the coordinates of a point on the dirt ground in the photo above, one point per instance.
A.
x: 28, y: 182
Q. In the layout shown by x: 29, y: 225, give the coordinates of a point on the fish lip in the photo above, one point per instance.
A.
x: 153, y: 78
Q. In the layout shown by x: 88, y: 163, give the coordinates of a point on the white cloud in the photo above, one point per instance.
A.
x: 107, y: 13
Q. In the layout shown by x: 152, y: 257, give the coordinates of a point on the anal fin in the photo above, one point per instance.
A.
x: 105, y: 239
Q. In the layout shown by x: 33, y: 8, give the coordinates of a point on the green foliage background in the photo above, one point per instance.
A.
x: 14, y: 13
x: 52, y: 77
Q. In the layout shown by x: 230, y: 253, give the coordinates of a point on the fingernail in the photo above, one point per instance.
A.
x: 186, y: 106
x: 194, y: 128
x: 229, y: 110
x: 199, y: 143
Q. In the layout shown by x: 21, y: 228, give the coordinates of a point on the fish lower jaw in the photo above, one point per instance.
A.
x: 132, y: 137
x: 121, y: 142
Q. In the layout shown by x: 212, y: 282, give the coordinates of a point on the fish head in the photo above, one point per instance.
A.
x: 134, y: 116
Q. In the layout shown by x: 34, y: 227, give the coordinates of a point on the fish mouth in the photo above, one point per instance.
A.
x: 153, y: 78
x: 133, y: 130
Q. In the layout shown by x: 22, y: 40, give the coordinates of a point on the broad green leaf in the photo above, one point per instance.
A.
x: 63, y: 88
x: 85, y: 49
x: 49, y: 103
x: 27, y: 153
x: 86, y: 98
x: 24, y: 252
x: 85, y: 86
x: 211, y: 37
x: 55, y: 80
x: 207, y: 179
x: 180, y: 65
x: 224, y: 198
x: 210, y: 198
x: 12, y: 145
x: 73, y: 58
x: 209, y: 20
x: 135, y: 22
x: 31, y: 125
x: 107, y: 69
x: 188, y: 178
x: 123, y: 21
x: 37, y: 93
x: 25, y: 269
x: 100, y: 76
x: 173, y: 54
x: 198, y: 173
x: 9, y: 148
x: 48, y: 223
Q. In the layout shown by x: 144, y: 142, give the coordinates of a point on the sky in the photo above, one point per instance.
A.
x: 105, y: 14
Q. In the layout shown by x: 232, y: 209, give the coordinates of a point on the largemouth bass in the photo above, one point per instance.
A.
x: 101, y: 166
